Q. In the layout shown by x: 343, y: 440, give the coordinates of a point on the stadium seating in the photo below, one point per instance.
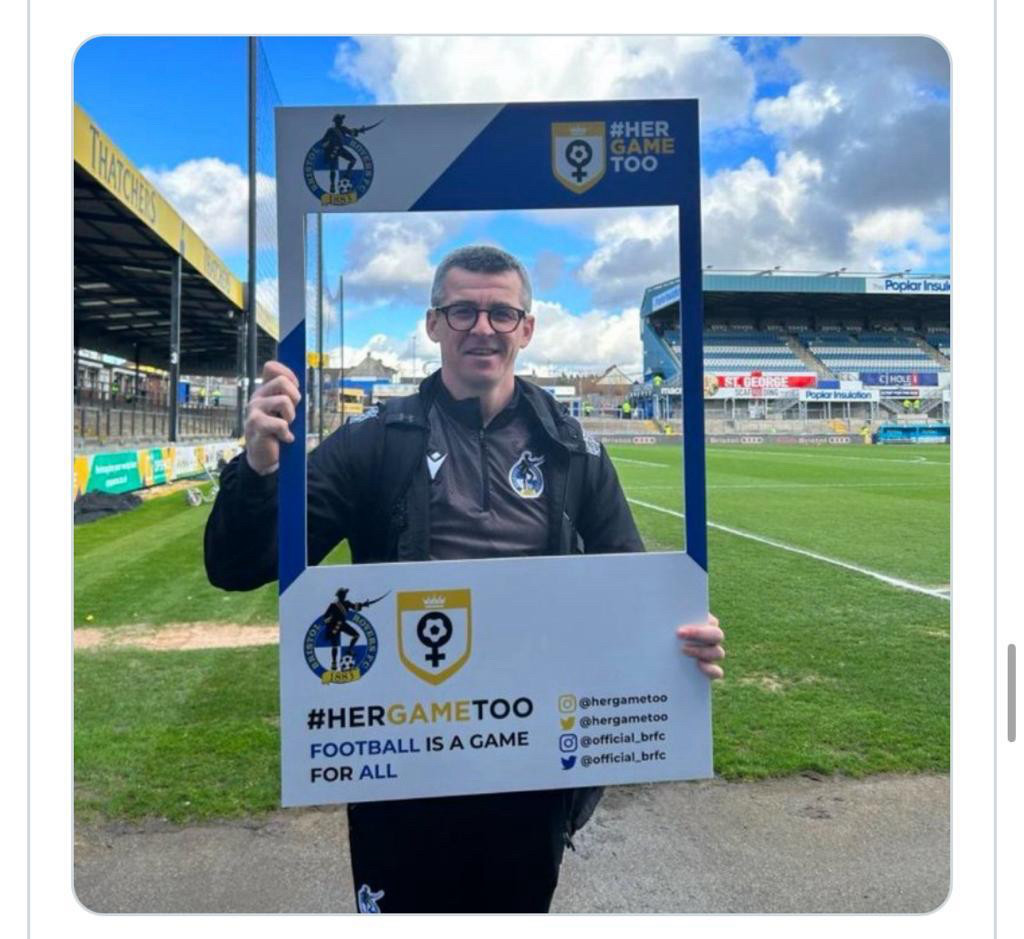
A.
x: 741, y: 349
x: 874, y: 350
x: 747, y: 351
x: 940, y: 340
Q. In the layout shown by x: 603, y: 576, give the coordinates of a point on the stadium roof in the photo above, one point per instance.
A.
x: 788, y: 294
x: 127, y: 242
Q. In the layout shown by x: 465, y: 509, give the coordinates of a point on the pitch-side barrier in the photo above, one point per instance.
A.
x: 813, y: 440
x: 128, y: 470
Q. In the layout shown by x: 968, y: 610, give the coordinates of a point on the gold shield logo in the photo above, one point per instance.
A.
x: 578, y: 154
x: 435, y: 632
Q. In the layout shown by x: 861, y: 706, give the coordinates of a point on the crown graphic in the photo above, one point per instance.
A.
x: 435, y: 602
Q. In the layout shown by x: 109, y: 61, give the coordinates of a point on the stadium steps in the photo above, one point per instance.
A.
x: 931, y: 351
x: 674, y: 356
x: 611, y: 425
x: 807, y: 357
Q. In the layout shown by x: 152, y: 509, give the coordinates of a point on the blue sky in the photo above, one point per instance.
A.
x: 816, y: 154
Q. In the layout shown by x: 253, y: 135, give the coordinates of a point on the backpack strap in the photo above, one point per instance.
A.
x: 399, y: 454
x: 574, y: 491
x: 575, y: 479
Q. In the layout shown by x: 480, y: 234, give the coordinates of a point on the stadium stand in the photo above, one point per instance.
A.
x: 818, y: 352
x: 939, y: 339
x: 746, y: 351
x: 154, y: 307
x: 870, y: 350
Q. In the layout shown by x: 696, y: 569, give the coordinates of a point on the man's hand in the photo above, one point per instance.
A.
x: 268, y: 417
x: 703, y: 641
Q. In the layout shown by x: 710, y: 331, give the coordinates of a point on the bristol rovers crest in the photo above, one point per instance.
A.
x: 338, y: 168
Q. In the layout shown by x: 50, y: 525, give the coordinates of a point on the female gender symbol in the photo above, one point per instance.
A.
x: 434, y: 630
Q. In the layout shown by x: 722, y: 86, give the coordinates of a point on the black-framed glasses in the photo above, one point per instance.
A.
x: 462, y: 316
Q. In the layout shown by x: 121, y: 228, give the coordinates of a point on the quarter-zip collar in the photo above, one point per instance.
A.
x: 467, y: 410
x: 564, y: 432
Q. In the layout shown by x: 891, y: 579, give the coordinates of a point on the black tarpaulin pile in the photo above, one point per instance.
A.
x: 93, y: 505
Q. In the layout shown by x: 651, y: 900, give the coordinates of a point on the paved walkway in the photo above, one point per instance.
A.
x: 801, y: 844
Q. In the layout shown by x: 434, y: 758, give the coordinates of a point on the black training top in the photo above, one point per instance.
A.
x: 421, y: 479
x: 487, y: 488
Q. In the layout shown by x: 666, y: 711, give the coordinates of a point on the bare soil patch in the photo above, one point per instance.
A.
x: 774, y: 684
x: 164, y: 489
x: 176, y: 636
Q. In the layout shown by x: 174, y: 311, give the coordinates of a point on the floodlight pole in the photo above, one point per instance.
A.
x: 240, y: 377
x: 341, y: 349
x: 135, y: 391
x: 320, y: 327
x: 251, y: 333
x: 175, y: 349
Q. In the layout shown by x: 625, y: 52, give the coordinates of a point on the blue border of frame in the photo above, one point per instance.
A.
x: 450, y: 193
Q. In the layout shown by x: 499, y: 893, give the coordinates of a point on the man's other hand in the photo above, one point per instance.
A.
x: 268, y: 417
x: 703, y: 641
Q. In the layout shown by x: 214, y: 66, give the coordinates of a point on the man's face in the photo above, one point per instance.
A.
x: 481, y: 358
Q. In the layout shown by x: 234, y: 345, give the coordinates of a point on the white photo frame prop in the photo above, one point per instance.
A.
x: 490, y: 675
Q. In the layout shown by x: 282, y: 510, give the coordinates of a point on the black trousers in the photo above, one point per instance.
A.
x: 464, y: 854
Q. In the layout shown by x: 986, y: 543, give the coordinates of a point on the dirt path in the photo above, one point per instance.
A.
x: 176, y: 636
x: 799, y: 844
x: 794, y: 845
x: 166, y: 489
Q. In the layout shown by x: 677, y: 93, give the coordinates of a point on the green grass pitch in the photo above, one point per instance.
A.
x: 829, y: 668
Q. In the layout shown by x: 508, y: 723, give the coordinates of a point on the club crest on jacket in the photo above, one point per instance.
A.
x: 525, y: 476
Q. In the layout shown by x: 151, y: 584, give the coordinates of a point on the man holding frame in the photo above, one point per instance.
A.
x: 478, y: 464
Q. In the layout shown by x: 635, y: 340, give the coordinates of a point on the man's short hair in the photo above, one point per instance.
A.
x: 480, y: 259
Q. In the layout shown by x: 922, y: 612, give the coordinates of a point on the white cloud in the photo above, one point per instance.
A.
x: 414, y: 69
x: 862, y: 171
x: 393, y: 256
x: 803, y: 107
x: 862, y: 128
x: 633, y: 251
x: 389, y: 257
x: 896, y: 225
x: 858, y: 177
x: 896, y: 238
x: 887, y: 145
x: 754, y: 218
x: 586, y: 342
x: 746, y: 192
x: 412, y: 354
x: 562, y: 341
x: 213, y: 197
x: 757, y: 219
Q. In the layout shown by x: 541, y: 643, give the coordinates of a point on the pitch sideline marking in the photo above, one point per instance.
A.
x: 622, y: 459
x: 753, y: 450
x: 884, y: 578
x: 889, y: 485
